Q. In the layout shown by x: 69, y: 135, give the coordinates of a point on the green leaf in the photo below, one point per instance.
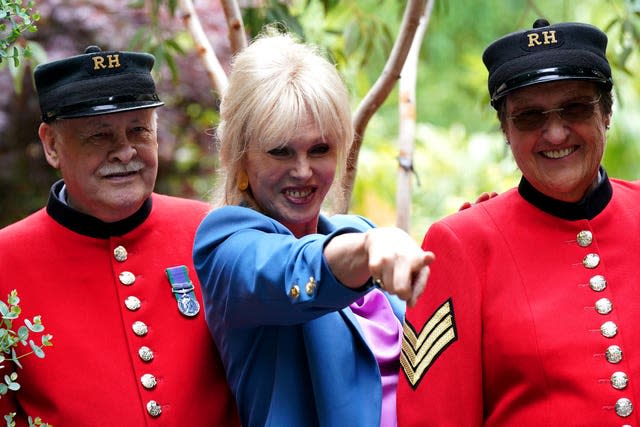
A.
x: 15, y: 310
x: 136, y: 40
x: 4, y: 308
x: 36, y: 350
x: 171, y: 63
x: 10, y: 315
x: 46, y: 340
x: 9, y: 419
x: 136, y: 4
x: 172, y: 5
x: 352, y: 37
x: 23, y: 333
x: 172, y: 43
x: 36, y: 326
x: 13, y: 298
x: 14, y: 357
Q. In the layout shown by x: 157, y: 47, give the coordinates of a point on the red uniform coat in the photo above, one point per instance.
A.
x: 511, y: 328
x: 92, y: 375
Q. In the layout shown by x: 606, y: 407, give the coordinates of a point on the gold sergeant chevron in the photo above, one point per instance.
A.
x: 421, y: 350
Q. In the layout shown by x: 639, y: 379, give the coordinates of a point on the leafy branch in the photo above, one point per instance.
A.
x: 12, y: 338
x: 15, y: 20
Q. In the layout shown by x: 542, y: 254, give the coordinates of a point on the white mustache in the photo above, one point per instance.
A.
x: 116, y: 169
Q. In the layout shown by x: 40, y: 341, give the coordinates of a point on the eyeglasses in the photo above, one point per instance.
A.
x: 573, y: 112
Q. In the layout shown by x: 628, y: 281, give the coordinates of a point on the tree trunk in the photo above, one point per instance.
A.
x: 380, y: 91
x: 214, y: 70
x: 407, y: 129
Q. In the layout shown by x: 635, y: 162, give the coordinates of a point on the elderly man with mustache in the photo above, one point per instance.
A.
x: 108, y: 263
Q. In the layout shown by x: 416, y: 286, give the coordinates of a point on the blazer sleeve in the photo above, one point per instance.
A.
x: 440, y: 382
x: 249, y: 263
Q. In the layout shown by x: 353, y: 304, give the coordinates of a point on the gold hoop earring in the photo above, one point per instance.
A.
x: 243, y: 181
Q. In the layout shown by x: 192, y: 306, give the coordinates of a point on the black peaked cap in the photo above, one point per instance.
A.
x: 95, y: 83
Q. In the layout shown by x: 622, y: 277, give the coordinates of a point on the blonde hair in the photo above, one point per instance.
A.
x: 275, y: 84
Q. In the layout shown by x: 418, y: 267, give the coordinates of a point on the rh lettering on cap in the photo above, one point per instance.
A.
x: 110, y: 61
x: 544, y: 37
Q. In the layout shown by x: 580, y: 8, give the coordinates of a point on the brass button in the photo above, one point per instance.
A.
x: 294, y: 292
x: 310, y: 287
x: 148, y: 381
x: 132, y: 303
x: 613, y: 354
x: 598, y: 283
x: 619, y: 380
x: 591, y: 261
x: 584, y: 238
x: 145, y: 353
x: 127, y: 278
x: 120, y: 253
x: 624, y: 407
x: 604, y: 306
x: 139, y: 328
x: 153, y: 408
x: 609, y: 329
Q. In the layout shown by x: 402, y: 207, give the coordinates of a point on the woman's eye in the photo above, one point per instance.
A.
x: 279, y: 152
x: 320, y: 149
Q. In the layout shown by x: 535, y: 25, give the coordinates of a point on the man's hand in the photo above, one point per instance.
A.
x: 482, y: 198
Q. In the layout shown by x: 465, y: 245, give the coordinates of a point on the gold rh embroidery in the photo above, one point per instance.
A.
x: 113, y: 61
x: 420, y: 351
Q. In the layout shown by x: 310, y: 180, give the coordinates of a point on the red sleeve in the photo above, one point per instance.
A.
x: 440, y: 382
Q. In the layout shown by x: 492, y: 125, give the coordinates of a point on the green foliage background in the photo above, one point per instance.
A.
x: 460, y: 151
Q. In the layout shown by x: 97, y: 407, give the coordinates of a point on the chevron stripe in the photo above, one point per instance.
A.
x: 421, y: 350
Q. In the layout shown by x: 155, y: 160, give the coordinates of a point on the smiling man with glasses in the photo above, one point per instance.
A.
x: 530, y: 317
x: 574, y: 111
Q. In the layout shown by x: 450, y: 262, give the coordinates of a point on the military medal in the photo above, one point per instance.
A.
x: 183, y: 290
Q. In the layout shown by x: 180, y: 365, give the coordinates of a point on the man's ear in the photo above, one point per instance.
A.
x: 607, y: 121
x: 49, y: 144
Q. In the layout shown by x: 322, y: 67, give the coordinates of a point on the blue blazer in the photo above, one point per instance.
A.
x: 292, y: 358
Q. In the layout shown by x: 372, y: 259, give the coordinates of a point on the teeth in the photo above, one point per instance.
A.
x: 119, y: 174
x: 298, y: 194
x: 556, y: 154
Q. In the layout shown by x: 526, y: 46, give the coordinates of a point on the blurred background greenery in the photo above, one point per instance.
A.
x: 459, y: 150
